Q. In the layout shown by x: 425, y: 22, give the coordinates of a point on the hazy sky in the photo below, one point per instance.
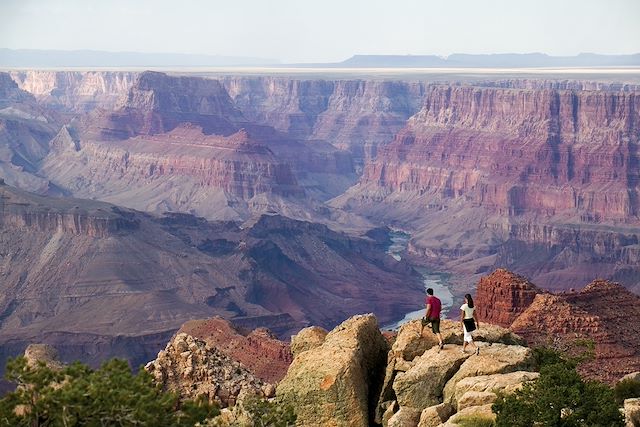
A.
x: 323, y: 30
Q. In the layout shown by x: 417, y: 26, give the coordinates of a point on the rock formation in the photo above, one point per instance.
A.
x: 259, y: 351
x: 332, y: 382
x: 335, y: 383
x: 598, y: 313
x: 193, y: 369
x: 503, y: 296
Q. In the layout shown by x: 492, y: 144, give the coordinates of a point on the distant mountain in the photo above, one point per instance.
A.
x: 508, y: 60
x: 93, y: 58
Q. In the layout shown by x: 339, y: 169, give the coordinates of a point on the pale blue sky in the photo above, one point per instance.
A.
x: 324, y: 30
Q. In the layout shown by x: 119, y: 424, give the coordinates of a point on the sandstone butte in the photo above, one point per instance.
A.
x: 601, y: 312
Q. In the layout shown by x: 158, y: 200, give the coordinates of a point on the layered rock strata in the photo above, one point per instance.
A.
x: 567, y: 321
x: 503, y: 296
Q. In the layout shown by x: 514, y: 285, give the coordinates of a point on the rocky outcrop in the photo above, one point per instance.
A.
x: 502, y: 296
x: 597, y: 313
x: 42, y: 353
x: 307, y: 339
x: 193, y: 369
x: 330, y: 383
x: 335, y: 383
x: 600, y: 313
x: 433, y: 416
x: 483, y: 389
x: 259, y: 351
x: 413, y: 339
x: 493, y: 359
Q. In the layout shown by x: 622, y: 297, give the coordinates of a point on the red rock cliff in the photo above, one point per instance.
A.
x: 502, y: 296
x: 519, y: 151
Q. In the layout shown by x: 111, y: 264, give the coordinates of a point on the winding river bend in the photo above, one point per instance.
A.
x: 437, y: 281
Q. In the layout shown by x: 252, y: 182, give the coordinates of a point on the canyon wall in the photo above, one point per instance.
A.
x: 520, y: 151
x: 78, y: 91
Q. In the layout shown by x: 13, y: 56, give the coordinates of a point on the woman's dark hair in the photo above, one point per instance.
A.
x: 469, y: 300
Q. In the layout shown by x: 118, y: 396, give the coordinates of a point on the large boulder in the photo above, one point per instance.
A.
x: 405, y: 417
x: 634, y: 376
x: 307, y: 338
x: 433, y: 416
x: 493, y: 359
x: 632, y: 412
x: 497, y: 383
x: 476, y: 398
x: 422, y: 385
x: 337, y: 382
x: 413, y: 340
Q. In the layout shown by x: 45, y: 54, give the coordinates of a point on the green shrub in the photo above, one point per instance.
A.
x: 267, y: 413
x: 559, y: 397
x: 476, y: 421
x: 80, y: 396
x: 626, y: 389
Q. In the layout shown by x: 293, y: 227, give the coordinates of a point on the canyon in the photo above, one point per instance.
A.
x: 268, y: 200
x: 104, y: 281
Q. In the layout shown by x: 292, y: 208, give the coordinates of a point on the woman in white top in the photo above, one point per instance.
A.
x: 469, y: 322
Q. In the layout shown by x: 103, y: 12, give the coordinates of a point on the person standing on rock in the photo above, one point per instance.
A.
x: 434, y: 305
x: 469, y: 322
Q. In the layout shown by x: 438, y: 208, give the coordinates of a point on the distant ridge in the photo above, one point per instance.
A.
x: 35, y: 58
x: 92, y: 58
x: 500, y: 60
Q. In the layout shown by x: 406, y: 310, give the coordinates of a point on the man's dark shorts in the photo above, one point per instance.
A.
x: 435, y: 325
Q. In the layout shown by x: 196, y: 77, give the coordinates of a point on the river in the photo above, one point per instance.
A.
x: 437, y: 281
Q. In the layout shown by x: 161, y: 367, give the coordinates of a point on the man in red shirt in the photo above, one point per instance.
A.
x: 433, y: 315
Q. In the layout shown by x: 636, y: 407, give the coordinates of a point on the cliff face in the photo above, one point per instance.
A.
x: 78, y: 91
x: 185, y: 146
x: 25, y: 130
x: 600, y: 313
x: 502, y: 296
x: 520, y: 151
x: 354, y: 115
x: 25, y: 211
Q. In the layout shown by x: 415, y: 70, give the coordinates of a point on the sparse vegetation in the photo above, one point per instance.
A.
x: 626, y: 389
x: 559, y: 397
x: 79, y: 396
x: 476, y: 421
x: 256, y: 412
x: 270, y: 413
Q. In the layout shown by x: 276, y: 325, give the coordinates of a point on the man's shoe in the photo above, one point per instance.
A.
x: 477, y: 351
